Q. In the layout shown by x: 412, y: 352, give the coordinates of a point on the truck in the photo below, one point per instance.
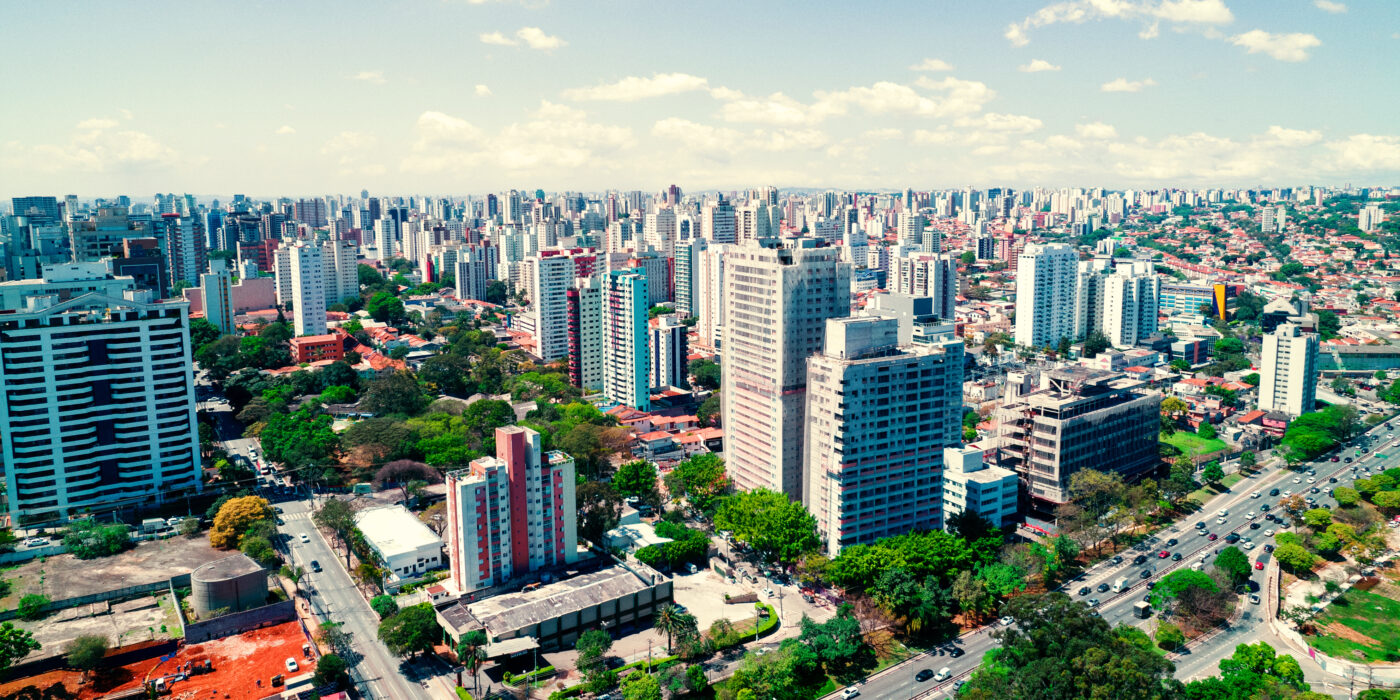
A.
x: 1142, y: 610
x: 1120, y: 584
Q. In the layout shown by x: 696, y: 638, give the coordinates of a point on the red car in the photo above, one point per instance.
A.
x: 1163, y: 554
x: 1212, y: 537
x: 1334, y: 459
x: 1258, y: 566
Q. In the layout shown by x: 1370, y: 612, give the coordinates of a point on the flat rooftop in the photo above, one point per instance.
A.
x: 393, y: 530
x: 513, y: 611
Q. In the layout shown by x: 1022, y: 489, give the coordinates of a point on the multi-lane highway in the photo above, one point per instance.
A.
x: 1233, y: 512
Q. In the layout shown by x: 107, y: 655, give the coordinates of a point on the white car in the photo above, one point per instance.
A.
x: 850, y: 692
x: 1256, y: 494
x: 1297, y: 480
x: 1268, y: 533
x: 305, y: 538
x: 1249, y: 515
x: 36, y: 542
x: 1248, y: 546
x: 1223, y: 513
x: 291, y: 665
x: 1006, y: 621
x: 1219, y: 521
x: 1312, y: 480
x: 1288, y: 493
x: 943, y: 674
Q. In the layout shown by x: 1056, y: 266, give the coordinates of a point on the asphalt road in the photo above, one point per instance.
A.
x: 333, y: 596
x: 898, y: 681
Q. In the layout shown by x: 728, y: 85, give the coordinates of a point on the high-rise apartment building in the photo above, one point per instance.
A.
x: 923, y: 275
x: 1369, y: 218
x: 342, y: 270
x: 626, y: 355
x: 216, y: 291
x: 184, y: 248
x: 1130, y: 304
x: 97, y: 406
x: 511, y: 514
x: 668, y: 349
x: 301, y: 272
x: 878, y: 418
x: 549, y: 278
x: 476, y: 269
x: 709, y: 294
x: 1045, y: 281
x: 1288, y: 374
x: 585, y: 304
x: 1078, y: 418
x: 717, y: 223
x: 686, y: 265
x: 776, y: 303
x: 659, y: 231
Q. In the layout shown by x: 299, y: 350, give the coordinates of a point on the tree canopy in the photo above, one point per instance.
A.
x: 777, y: 529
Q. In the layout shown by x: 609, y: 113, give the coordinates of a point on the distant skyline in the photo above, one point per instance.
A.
x: 470, y: 96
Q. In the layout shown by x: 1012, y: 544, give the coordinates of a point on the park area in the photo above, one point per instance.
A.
x: 1193, y: 445
x: 1362, y: 625
x: 238, y: 664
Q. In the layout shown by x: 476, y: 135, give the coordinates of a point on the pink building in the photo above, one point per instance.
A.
x: 254, y: 294
x: 511, y: 514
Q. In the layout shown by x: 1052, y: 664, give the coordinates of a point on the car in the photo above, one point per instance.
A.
x: 1265, y: 507
x: 1254, y: 526
x: 304, y: 537
x: 690, y: 568
x: 277, y: 510
x: 1201, y: 525
x: 1176, y: 557
x: 1315, y: 490
x: 1222, y: 512
x: 1147, y: 597
x: 291, y: 665
x: 1334, y: 458
x: 1273, y: 492
x: 1145, y: 573
x: 1093, y: 602
x: 36, y: 542
x: 1007, y: 620
x: 1139, y: 559
x: 1171, y: 542
x: 1331, y: 479
x: 1297, y: 479
x: 955, y: 652
x: 923, y: 675
x: 1232, y: 538
x: 850, y: 692
x: 1219, y: 521
x: 1163, y: 554
x: 281, y: 521
x: 1212, y: 537
x: 1085, y: 590
x: 768, y: 592
x: 1256, y: 494
x: 1312, y: 472
x: 958, y: 685
x: 943, y: 674
x: 1118, y: 560
x: 1269, y: 532
x: 1250, y: 515
x: 1103, y: 588
x: 1248, y: 545
x: 1258, y: 566
x: 1347, y: 460
x: 1288, y: 493
x: 315, y: 566
x: 1254, y: 598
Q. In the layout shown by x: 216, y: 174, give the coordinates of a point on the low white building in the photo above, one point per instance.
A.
x: 969, y: 484
x: 409, y: 549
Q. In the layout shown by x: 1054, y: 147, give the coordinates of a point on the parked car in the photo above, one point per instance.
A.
x: 36, y: 542
x: 291, y: 665
x: 304, y: 537
x: 850, y: 692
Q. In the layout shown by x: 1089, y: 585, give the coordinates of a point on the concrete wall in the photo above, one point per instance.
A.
x: 234, y: 623
x: 179, y: 581
x: 1376, y: 675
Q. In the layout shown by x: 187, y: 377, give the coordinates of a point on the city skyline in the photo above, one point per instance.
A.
x: 550, y: 95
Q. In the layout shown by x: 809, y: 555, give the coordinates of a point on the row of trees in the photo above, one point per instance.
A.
x: 1313, y: 434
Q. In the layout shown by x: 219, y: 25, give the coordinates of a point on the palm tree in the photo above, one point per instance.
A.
x: 669, y: 619
x: 471, y: 651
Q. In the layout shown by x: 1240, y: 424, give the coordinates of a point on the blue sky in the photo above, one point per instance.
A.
x: 457, y: 96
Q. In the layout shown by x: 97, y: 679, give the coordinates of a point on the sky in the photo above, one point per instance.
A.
x: 455, y: 97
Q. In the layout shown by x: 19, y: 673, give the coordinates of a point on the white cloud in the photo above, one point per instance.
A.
x: 1292, y: 138
x: 932, y: 65
x: 1284, y: 47
x: 1184, y: 13
x: 886, y: 134
x: 483, y: 91
x: 125, y: 113
x: 1364, y: 152
x: 776, y: 108
x: 633, y: 88
x: 957, y: 98
x: 96, y: 123
x: 436, y: 129
x: 375, y: 77
x: 1098, y: 131
x: 497, y: 39
x: 1008, y: 123
x: 1335, y: 8
x: 285, y: 130
x: 535, y: 38
x: 1125, y: 85
x: 554, y: 139
x: 1037, y: 65
x: 347, y: 143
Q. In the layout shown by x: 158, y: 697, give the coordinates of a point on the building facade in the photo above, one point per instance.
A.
x: 1288, y: 371
x: 1045, y: 300
x: 626, y: 354
x: 667, y: 344
x: 585, y: 302
x: 970, y: 484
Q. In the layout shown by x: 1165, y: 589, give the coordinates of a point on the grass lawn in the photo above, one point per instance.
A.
x: 1205, y: 493
x: 1375, y: 619
x: 1191, y: 444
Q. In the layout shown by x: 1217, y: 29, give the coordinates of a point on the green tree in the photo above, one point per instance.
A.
x: 31, y: 606
x: 89, y: 539
x: 85, y: 653
x: 385, y: 307
x: 471, y: 651
x: 1095, y: 343
x: 1206, y: 430
x: 15, y: 644
x: 778, y: 529
x: 791, y: 672
x: 700, y: 479
x: 1058, y: 648
x: 593, y: 646
x: 1234, y: 563
x: 1248, y: 460
x: 395, y: 394
x: 202, y: 332
x: 410, y: 631
x: 671, y: 620
x: 1213, y: 474
x: 710, y: 413
x: 337, y: 516
x: 1294, y: 558
x: 384, y: 605
x: 705, y: 373
x: 1169, y: 636
x: 1317, y: 518
x: 839, y: 645
x: 968, y: 257
x: 1346, y: 496
x: 599, y: 509
x: 635, y: 478
x: 259, y: 549
x: 331, y: 671
x: 641, y: 686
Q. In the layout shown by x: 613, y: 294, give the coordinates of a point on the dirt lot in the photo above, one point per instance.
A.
x: 66, y: 576
x: 239, y: 662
